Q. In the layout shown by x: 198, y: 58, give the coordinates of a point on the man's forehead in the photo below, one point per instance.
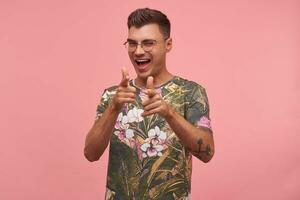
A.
x: 148, y: 31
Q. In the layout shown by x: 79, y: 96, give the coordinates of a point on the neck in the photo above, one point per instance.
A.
x: 159, y: 79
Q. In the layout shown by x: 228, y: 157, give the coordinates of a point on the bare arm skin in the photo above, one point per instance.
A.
x: 198, y: 140
x: 99, y: 135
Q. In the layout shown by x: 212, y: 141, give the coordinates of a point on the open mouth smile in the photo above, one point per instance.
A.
x: 142, y: 63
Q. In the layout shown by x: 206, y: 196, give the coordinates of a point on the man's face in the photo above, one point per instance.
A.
x: 152, y: 62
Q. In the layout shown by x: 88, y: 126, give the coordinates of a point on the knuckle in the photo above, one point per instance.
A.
x: 119, y: 90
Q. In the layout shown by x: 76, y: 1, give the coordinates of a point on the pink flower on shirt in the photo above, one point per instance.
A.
x: 155, y: 143
x: 204, y: 121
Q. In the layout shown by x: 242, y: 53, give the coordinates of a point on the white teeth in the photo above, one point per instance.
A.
x: 142, y: 60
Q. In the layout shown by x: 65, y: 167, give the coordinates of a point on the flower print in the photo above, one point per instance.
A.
x: 155, y: 143
x: 204, y: 121
x: 151, y: 150
x: 135, y: 115
x: 123, y: 132
x: 121, y: 122
x: 157, y: 134
x: 124, y: 119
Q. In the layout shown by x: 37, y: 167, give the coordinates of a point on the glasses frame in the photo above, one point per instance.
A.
x: 142, y: 45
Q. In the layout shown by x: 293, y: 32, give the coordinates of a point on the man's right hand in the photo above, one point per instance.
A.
x: 125, y: 92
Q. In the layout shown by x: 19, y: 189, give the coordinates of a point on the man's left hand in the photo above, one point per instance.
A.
x: 154, y: 103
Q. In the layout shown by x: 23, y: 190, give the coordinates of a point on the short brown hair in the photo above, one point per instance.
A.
x: 144, y: 16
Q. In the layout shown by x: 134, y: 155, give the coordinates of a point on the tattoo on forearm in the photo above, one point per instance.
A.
x: 206, y: 151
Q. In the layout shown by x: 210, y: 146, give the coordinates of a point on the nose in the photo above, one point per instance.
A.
x: 139, y: 50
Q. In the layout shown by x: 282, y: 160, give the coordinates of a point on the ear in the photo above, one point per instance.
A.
x: 169, y: 44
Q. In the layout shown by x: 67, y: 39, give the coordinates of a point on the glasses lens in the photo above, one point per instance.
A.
x: 132, y: 46
x: 148, y: 45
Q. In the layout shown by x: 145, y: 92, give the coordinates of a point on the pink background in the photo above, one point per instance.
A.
x: 56, y: 57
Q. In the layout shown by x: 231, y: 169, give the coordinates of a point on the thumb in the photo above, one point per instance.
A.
x: 125, y: 77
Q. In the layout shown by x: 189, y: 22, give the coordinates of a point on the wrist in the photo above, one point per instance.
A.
x: 170, y: 113
x: 113, y: 108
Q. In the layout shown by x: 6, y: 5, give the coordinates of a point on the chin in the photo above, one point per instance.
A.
x: 143, y: 75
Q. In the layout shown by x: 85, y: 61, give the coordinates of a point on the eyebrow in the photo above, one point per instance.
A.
x: 130, y: 40
x: 146, y: 40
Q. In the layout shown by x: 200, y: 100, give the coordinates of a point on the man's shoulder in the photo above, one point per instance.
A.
x: 184, y: 82
x: 108, y: 92
x: 111, y: 88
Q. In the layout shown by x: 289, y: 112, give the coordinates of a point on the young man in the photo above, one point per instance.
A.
x: 154, y: 123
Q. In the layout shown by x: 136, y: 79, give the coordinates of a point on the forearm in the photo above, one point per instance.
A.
x: 199, y: 141
x: 98, y: 137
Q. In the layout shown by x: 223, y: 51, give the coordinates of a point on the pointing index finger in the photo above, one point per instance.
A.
x: 150, y: 87
x: 125, y: 77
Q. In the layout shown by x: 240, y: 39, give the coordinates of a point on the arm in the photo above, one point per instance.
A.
x: 99, y: 136
x: 198, y: 140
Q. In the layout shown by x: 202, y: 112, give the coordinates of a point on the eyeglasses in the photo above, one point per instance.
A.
x: 147, y: 45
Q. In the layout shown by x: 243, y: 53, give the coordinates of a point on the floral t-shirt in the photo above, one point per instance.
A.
x: 146, y: 158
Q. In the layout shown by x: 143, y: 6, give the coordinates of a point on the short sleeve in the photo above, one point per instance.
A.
x: 104, y: 102
x: 197, y: 112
